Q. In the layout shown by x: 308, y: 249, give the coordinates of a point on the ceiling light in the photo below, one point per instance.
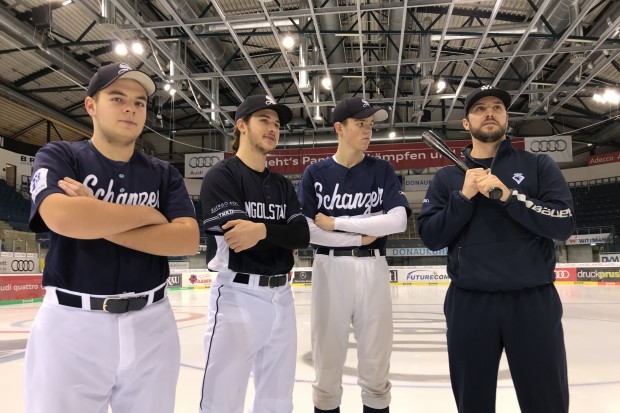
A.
x: 288, y: 42
x: 66, y: 2
x: 392, y: 135
x: 172, y: 91
x: 254, y: 25
x: 611, y: 96
x: 326, y: 83
x: 441, y: 85
x: 167, y: 87
x: 137, y: 47
x: 121, y: 49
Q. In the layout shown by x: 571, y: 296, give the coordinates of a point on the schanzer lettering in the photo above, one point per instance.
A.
x: 129, y: 198
x: 348, y: 201
x: 262, y: 211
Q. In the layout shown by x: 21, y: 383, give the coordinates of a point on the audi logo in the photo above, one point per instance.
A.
x: 562, y: 274
x: 203, y: 161
x: 22, y: 265
x: 557, y: 145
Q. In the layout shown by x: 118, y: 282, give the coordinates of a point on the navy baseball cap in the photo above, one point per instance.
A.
x: 258, y: 102
x: 108, y: 74
x: 357, y: 108
x: 484, y: 91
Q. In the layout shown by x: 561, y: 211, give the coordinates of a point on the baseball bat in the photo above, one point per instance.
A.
x: 435, y: 142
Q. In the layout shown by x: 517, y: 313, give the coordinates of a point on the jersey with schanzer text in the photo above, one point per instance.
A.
x: 232, y: 190
x: 98, y: 266
x: 369, y: 188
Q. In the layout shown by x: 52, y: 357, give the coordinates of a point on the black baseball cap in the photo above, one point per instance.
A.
x: 108, y: 74
x: 257, y: 102
x: 357, y: 108
x: 484, y: 91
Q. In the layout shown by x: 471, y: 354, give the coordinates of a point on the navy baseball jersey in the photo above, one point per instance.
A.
x: 232, y: 190
x: 99, y: 266
x: 369, y: 188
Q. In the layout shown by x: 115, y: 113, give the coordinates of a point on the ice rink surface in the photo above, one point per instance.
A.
x: 419, y: 368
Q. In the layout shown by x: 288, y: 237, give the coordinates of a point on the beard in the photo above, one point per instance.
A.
x: 489, y: 136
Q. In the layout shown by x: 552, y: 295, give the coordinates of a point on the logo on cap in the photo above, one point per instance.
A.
x: 365, y: 103
x: 123, y: 67
x: 270, y: 101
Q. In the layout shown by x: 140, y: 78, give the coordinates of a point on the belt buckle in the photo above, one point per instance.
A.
x: 269, y: 284
x: 105, y: 303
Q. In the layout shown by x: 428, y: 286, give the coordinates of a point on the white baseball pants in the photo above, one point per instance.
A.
x: 345, y: 291
x: 250, y: 329
x: 81, y: 361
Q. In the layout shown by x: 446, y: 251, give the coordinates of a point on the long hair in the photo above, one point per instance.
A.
x: 234, y: 145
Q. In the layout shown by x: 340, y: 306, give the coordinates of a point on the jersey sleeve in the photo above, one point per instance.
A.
x: 294, y: 212
x: 393, y: 194
x: 307, y: 195
x: 178, y: 203
x: 221, y: 200
x: 52, y: 163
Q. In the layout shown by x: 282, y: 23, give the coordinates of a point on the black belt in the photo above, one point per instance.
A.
x: 114, y: 305
x: 351, y: 252
x: 270, y: 281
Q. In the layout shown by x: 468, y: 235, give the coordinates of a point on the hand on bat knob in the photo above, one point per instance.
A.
x: 479, y: 180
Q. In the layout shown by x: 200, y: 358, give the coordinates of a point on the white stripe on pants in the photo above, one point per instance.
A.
x: 345, y: 291
x: 250, y: 328
x: 80, y: 360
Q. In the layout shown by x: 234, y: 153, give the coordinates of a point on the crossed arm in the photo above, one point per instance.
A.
x: 78, y: 214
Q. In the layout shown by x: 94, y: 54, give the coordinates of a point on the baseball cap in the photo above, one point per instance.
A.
x: 357, y: 108
x: 108, y: 74
x: 484, y: 91
x: 255, y: 103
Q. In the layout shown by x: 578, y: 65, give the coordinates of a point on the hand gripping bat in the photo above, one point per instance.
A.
x: 435, y: 142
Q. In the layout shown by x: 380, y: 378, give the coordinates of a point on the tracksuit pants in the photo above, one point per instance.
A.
x: 527, y: 325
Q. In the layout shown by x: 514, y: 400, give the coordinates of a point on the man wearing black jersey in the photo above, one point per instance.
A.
x: 253, y: 221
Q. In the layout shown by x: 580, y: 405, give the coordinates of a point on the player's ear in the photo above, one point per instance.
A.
x: 89, y: 104
x: 338, y: 127
x: 466, y: 123
x: 241, y: 125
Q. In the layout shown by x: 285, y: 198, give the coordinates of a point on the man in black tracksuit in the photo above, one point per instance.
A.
x: 501, y: 261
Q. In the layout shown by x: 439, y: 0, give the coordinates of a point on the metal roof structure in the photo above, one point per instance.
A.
x: 552, y: 56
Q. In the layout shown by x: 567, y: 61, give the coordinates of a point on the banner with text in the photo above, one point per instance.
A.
x: 610, y: 257
x: 588, y: 239
x: 400, y: 155
x: 20, y: 287
x: 412, y: 183
x: 414, y: 252
x: 19, y: 265
x: 602, y: 158
x: 559, y: 148
x: 197, y: 164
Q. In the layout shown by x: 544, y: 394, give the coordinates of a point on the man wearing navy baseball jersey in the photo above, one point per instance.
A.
x: 352, y: 202
x: 253, y: 221
x: 501, y: 261
x: 105, y: 334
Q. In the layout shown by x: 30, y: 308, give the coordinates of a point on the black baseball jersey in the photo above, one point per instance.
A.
x: 232, y: 190
x: 99, y: 266
x: 369, y: 188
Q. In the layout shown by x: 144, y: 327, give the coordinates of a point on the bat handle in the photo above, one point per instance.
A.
x: 495, y: 193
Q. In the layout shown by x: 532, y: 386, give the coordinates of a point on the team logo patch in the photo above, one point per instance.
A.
x: 518, y: 177
x: 38, y: 182
x: 365, y: 103
x: 269, y: 101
